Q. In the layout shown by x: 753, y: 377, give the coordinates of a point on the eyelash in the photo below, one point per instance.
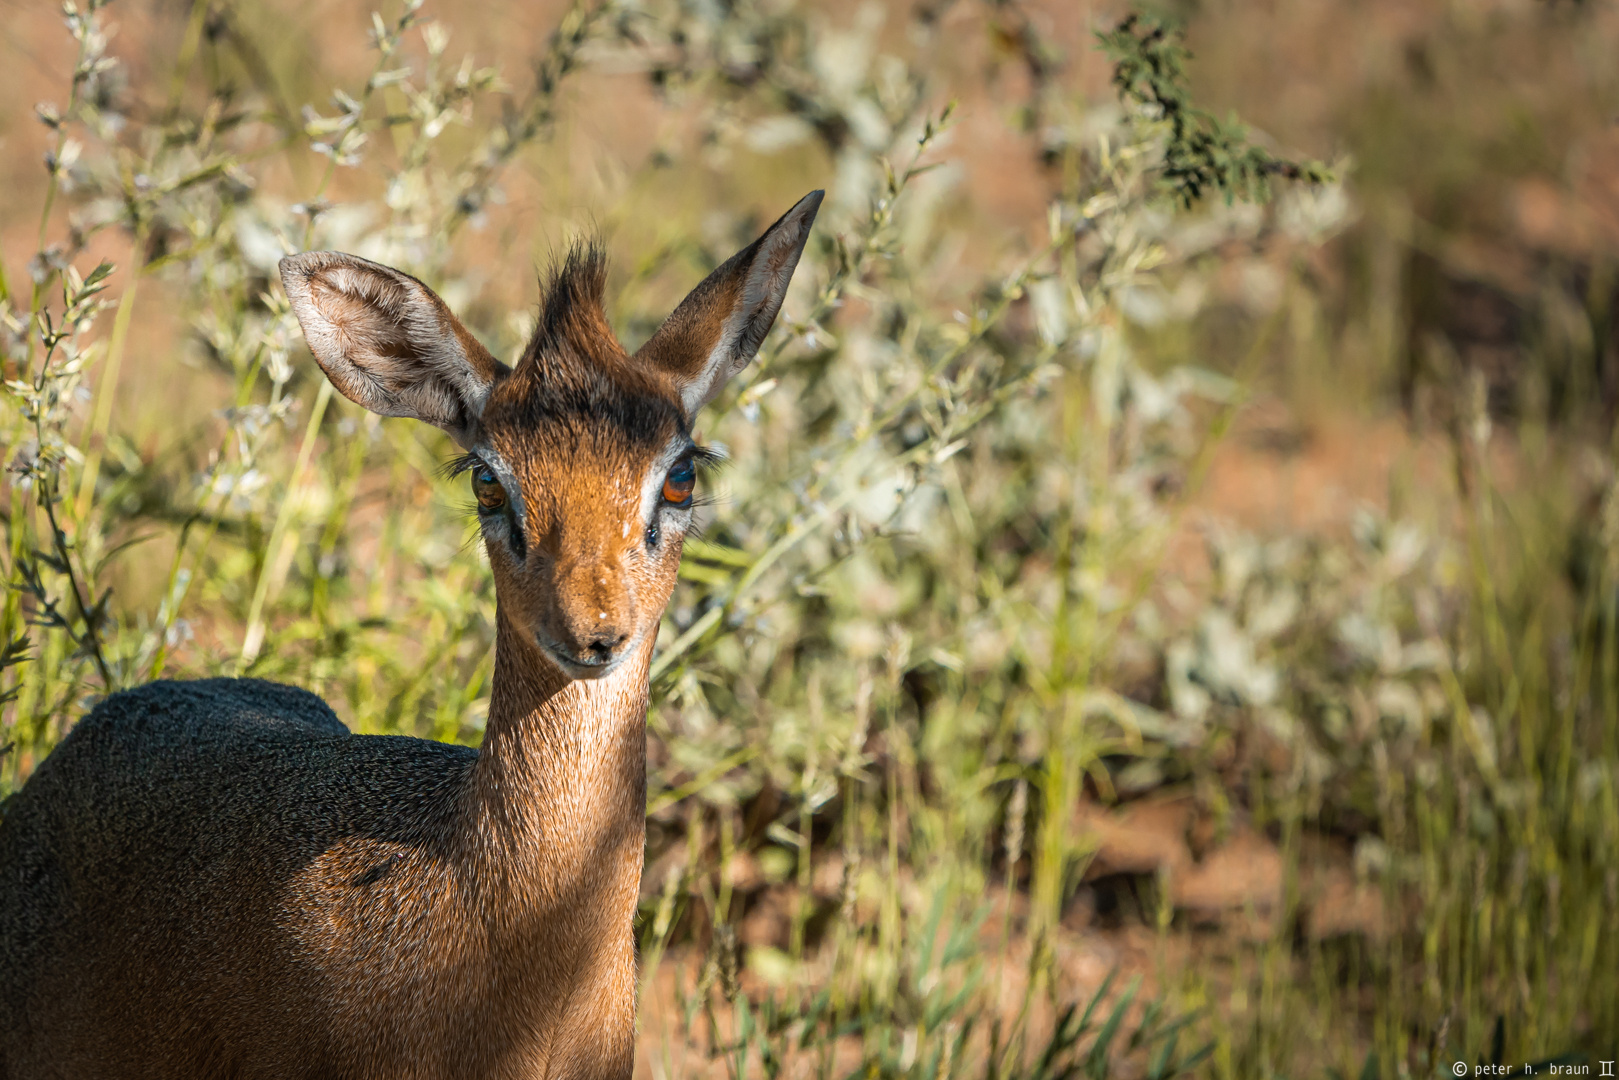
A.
x: 503, y: 514
x: 702, y: 460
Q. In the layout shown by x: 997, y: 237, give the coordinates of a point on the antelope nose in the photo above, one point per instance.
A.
x: 594, y: 614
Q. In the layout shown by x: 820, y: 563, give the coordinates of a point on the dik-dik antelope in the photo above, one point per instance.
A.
x: 215, y: 879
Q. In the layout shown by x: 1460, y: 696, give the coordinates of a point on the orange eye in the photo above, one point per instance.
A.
x: 678, y: 485
x: 486, y: 489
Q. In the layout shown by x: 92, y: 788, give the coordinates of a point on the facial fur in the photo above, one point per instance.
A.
x: 581, y: 439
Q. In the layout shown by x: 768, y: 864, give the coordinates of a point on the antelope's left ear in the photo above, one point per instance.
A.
x: 388, y: 343
x: 717, y: 330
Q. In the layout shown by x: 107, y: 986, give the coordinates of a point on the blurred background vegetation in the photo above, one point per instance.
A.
x: 1140, y: 632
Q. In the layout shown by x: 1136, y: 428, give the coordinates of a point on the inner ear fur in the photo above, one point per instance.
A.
x: 388, y: 343
x: 717, y: 330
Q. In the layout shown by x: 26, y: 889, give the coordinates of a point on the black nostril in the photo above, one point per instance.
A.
x: 602, y: 645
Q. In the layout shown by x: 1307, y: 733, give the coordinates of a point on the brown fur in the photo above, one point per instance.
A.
x: 215, y: 879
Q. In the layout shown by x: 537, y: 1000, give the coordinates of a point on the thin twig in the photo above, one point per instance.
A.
x: 91, y: 637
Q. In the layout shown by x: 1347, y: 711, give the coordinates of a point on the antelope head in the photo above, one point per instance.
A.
x: 581, y: 458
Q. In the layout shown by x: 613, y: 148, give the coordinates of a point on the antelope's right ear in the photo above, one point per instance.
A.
x: 717, y: 330
x: 389, y: 343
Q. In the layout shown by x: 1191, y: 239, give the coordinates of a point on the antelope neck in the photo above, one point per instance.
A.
x: 559, y: 789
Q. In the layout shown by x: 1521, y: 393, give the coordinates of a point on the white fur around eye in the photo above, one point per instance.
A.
x: 652, y: 482
x: 515, y: 516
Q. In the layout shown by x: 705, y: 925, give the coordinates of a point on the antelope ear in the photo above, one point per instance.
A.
x: 389, y: 343
x: 717, y: 330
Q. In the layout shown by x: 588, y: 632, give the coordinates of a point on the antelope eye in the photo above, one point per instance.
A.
x: 678, y: 485
x: 486, y: 489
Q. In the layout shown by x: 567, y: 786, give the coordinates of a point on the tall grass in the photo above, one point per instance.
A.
x: 942, y: 607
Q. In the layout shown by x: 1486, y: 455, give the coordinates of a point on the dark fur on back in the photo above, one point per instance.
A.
x: 197, y: 803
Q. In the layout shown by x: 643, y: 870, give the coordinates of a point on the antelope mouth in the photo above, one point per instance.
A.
x: 583, y: 668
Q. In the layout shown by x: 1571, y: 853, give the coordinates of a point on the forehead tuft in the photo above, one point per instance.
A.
x: 573, y: 320
x: 575, y: 386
